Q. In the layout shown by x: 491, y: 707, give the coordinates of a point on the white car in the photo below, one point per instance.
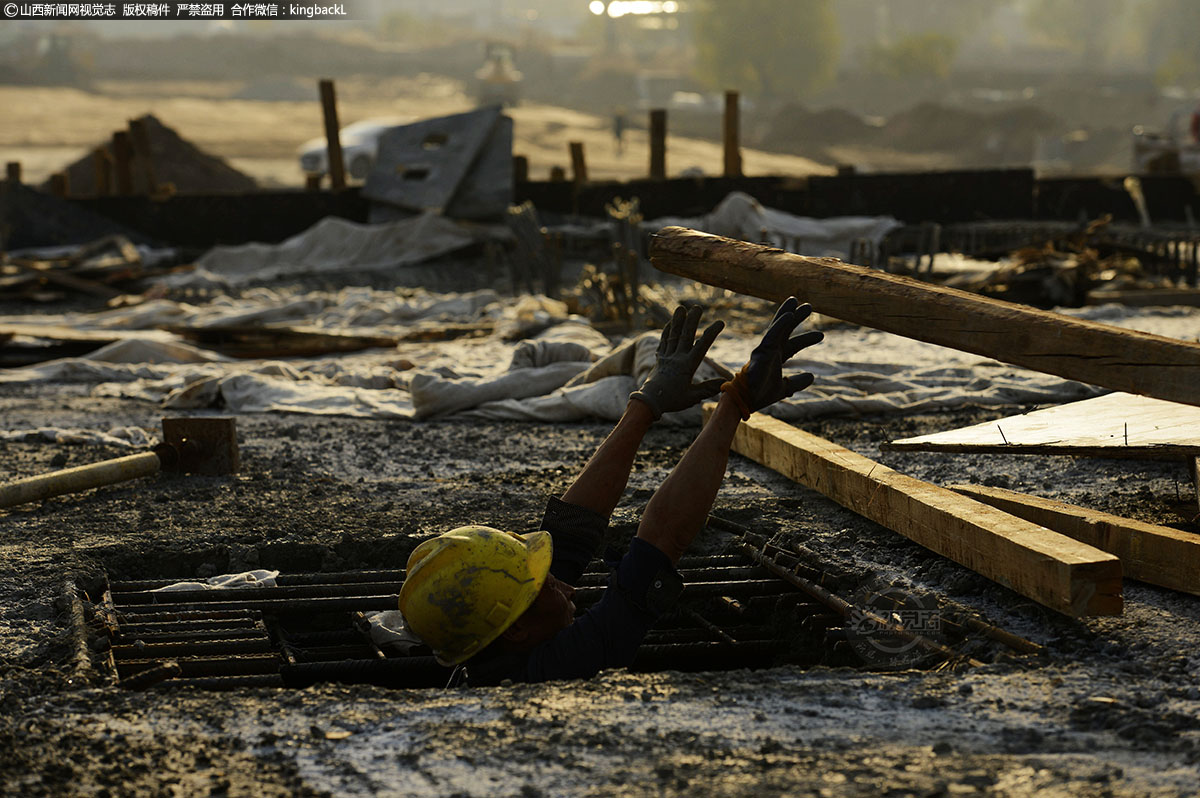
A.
x: 360, y: 144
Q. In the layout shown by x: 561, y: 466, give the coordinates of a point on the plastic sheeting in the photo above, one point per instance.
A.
x: 566, y: 372
x: 741, y: 216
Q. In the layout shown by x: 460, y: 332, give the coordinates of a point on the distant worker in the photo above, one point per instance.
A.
x: 502, y: 602
x: 618, y: 128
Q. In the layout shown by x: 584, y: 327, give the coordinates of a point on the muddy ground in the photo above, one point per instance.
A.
x: 1111, y: 709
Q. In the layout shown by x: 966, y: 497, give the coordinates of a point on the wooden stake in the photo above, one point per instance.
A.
x: 1094, y: 353
x: 12, y: 172
x: 558, y: 174
x: 520, y: 169
x: 312, y: 182
x: 102, y: 164
x: 122, y: 152
x: 1151, y: 553
x: 579, y: 173
x: 333, y: 141
x: 658, y: 144
x: 139, y: 135
x: 1052, y: 569
x: 733, y: 151
x: 60, y: 184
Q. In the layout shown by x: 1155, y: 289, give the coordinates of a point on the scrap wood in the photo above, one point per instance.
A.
x: 48, y: 273
x: 1113, y: 425
x: 1052, y: 569
x: 1076, y: 349
x: 1151, y: 553
x: 253, y: 341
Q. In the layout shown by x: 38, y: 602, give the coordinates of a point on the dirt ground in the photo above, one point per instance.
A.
x: 1111, y: 709
x: 47, y: 128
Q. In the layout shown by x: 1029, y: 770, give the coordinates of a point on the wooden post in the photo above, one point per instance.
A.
x: 1052, y: 569
x: 658, y: 144
x: 733, y: 147
x: 139, y: 135
x: 103, y: 166
x: 122, y: 151
x: 558, y: 174
x: 1151, y: 553
x: 60, y: 184
x: 12, y: 172
x: 312, y: 182
x: 520, y: 169
x: 333, y: 141
x: 579, y: 172
x: 1087, y: 351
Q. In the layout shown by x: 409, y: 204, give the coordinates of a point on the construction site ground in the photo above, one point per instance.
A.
x: 1111, y: 709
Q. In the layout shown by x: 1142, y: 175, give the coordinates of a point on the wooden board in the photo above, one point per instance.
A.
x: 1052, y: 569
x: 1087, y: 351
x: 1151, y: 553
x: 1114, y: 425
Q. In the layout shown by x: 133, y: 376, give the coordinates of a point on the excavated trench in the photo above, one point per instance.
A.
x: 760, y: 604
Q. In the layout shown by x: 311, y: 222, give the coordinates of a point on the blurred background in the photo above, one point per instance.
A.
x: 1063, y: 86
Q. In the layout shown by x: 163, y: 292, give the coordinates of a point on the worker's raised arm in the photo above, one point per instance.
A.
x: 668, y: 388
x: 678, y: 509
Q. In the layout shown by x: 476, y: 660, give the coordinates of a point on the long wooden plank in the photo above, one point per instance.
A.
x: 1151, y: 553
x: 1087, y: 351
x: 1052, y: 569
x: 1113, y: 425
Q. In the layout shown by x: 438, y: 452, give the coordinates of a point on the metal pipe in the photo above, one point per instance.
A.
x: 194, y: 648
x: 73, y: 480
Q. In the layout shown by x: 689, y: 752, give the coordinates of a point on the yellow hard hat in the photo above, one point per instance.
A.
x: 464, y: 588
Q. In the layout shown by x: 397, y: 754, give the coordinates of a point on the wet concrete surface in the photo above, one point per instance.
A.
x: 1111, y: 708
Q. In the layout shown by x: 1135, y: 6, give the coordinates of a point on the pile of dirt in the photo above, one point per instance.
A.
x: 980, y: 139
x: 176, y: 160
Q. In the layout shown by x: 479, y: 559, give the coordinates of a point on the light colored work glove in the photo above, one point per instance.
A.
x: 669, y: 386
x: 761, y: 382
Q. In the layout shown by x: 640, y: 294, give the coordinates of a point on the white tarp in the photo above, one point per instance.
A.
x: 567, y: 372
x: 742, y: 217
x: 337, y: 245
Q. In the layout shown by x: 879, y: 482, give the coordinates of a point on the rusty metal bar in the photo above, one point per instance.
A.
x: 242, y: 665
x: 845, y: 608
x: 123, y: 635
x: 163, y: 614
x: 226, y: 682
x: 284, y: 606
x: 195, y: 648
x: 401, y: 672
x: 246, y: 594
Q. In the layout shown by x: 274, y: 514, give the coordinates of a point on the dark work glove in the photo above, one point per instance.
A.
x: 669, y: 386
x: 761, y: 382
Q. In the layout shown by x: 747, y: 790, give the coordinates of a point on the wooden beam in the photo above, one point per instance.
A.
x: 1052, y: 569
x: 122, y: 153
x: 732, y: 135
x: 658, y: 144
x: 579, y: 172
x: 139, y: 135
x: 102, y: 165
x: 12, y: 172
x: 333, y: 141
x: 1076, y: 349
x: 1113, y: 425
x: 1151, y: 553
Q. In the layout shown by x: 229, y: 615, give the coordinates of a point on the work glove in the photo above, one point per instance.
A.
x: 669, y: 386
x: 761, y: 382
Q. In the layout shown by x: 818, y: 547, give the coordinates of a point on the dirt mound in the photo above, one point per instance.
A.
x: 175, y: 160
x: 798, y: 129
x: 934, y: 127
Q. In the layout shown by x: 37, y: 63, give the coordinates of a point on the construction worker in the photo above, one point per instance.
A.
x: 502, y: 602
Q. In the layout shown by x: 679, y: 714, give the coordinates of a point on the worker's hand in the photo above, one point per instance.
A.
x: 761, y: 381
x: 669, y: 386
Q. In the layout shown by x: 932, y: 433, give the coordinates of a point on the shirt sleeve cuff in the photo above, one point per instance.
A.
x: 647, y: 577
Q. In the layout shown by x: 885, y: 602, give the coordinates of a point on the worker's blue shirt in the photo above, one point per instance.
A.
x: 642, y: 587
